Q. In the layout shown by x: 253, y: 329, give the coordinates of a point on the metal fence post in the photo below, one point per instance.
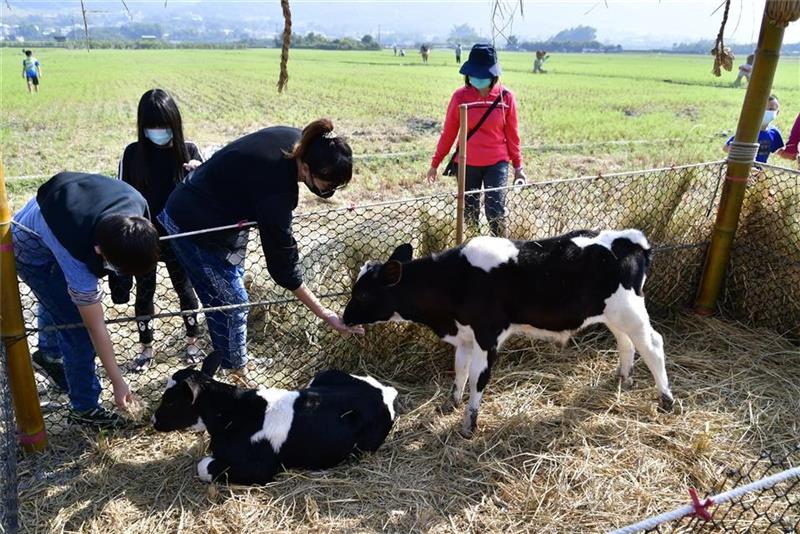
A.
x: 32, y: 434
x: 743, y: 149
x: 462, y: 171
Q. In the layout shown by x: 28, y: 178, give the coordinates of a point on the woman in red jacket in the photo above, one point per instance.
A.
x: 493, y: 145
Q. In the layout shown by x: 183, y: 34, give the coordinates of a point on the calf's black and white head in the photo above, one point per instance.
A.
x: 177, y: 409
x: 373, y: 298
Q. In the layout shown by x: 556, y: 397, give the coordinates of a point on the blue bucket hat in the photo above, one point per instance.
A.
x: 482, y: 62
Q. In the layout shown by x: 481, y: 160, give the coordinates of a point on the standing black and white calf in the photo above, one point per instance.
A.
x: 476, y: 295
x: 256, y: 432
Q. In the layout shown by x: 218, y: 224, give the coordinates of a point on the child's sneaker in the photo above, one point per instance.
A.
x: 241, y: 377
x: 193, y: 354
x: 52, y: 368
x: 142, y: 361
x: 140, y: 364
x: 97, y: 418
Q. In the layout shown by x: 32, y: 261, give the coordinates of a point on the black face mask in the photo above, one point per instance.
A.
x: 317, y: 191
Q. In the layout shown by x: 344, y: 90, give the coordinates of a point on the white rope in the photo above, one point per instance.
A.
x: 735, y: 493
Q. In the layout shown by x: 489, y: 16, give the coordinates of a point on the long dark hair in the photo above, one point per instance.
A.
x: 158, y: 110
x: 328, y: 156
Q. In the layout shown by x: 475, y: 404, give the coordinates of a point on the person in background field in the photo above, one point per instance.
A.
x: 31, y: 70
x: 424, y: 51
x: 78, y: 228
x: 745, y: 69
x: 458, y: 54
x: 154, y: 164
x: 791, y: 151
x: 493, y: 145
x: 254, y: 178
x: 538, y: 63
x: 769, y: 138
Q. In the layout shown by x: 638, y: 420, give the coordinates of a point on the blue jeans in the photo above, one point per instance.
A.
x: 217, y: 282
x: 495, y: 203
x: 48, y: 340
x: 74, y: 344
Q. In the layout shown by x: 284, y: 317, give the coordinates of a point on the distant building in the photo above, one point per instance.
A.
x: 60, y: 38
x: 148, y: 38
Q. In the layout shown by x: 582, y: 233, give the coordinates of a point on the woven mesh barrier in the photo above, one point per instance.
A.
x: 285, y: 344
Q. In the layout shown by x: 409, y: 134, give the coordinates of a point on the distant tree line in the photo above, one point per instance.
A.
x: 318, y: 41
x: 705, y: 45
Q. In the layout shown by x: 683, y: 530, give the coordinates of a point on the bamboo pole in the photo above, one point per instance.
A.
x: 462, y: 171
x: 30, y: 424
x: 740, y: 162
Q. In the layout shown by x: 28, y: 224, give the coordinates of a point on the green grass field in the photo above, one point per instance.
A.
x: 86, y: 112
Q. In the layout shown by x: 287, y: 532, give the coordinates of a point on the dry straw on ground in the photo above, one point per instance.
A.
x: 559, y: 449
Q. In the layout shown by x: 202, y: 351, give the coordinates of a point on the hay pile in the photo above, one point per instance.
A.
x: 558, y: 450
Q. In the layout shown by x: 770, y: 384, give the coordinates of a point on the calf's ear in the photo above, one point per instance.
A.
x: 390, y: 273
x: 403, y: 253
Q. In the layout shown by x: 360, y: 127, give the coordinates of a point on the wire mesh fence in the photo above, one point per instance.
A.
x: 763, y: 280
x: 759, y: 496
x: 8, y: 452
x: 246, y: 315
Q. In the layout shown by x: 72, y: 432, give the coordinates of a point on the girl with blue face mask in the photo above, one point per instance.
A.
x: 154, y: 165
x: 493, y: 144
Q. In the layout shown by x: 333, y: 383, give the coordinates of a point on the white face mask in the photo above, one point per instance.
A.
x: 769, y: 116
x: 159, y: 136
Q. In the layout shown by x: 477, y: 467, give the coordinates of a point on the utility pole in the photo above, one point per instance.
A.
x: 379, y: 34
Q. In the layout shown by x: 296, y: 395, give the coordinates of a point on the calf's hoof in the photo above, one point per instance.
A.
x: 448, y: 405
x: 470, y: 423
x: 626, y: 383
x: 666, y: 403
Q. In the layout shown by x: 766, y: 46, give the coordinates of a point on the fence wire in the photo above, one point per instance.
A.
x: 285, y: 344
x: 773, y: 509
x: 8, y: 452
x: 763, y: 279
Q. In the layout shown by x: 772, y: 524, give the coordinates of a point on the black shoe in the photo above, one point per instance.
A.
x: 97, y: 418
x: 53, y: 368
x: 140, y: 364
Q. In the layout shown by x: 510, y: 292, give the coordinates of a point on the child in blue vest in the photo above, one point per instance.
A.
x: 77, y: 229
x: 769, y: 138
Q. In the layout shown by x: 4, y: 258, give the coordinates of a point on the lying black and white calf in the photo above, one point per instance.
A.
x: 257, y: 432
x: 476, y: 295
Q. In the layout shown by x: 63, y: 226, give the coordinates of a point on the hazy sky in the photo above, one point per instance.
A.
x: 621, y: 21
x: 664, y: 20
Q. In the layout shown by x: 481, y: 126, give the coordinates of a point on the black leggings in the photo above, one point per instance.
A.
x: 146, y: 289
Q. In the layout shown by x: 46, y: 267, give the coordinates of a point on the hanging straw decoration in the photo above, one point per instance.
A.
x: 782, y: 12
x: 723, y: 56
x: 283, y: 79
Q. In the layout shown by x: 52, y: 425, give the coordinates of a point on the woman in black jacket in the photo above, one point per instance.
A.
x: 254, y: 178
x: 154, y: 165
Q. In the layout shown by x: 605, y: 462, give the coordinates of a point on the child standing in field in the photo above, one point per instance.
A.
x: 769, y: 138
x: 31, y: 70
x: 154, y: 164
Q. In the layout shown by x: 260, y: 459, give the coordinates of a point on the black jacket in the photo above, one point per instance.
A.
x: 251, y: 179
